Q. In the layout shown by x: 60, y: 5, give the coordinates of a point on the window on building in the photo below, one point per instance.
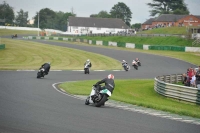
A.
x: 191, y: 18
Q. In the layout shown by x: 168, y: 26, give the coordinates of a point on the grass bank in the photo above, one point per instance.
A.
x: 138, y: 92
x: 20, y: 54
x: 166, y: 30
x: 4, y: 32
x: 169, y: 41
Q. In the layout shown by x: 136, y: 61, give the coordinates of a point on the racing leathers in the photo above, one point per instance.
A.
x: 46, y: 67
x: 109, y: 84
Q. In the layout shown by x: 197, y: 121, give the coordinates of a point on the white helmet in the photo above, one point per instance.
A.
x: 123, y: 60
x: 110, y: 76
x: 49, y: 63
x: 88, y: 60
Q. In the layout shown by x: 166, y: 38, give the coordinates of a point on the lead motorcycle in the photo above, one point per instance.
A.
x: 41, y: 73
x: 98, y: 98
x: 87, y: 68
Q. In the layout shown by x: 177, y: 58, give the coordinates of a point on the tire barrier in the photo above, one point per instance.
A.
x: 163, y: 85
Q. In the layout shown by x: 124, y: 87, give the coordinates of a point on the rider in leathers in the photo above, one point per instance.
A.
x: 109, y: 83
x: 46, y: 67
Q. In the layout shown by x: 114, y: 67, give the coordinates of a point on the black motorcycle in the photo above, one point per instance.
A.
x: 138, y: 63
x: 135, y: 66
x: 98, y: 97
x: 87, y: 68
x: 41, y: 73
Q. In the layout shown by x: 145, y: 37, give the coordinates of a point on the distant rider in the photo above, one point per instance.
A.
x: 124, y: 63
x: 138, y: 61
x: 88, y: 62
x: 134, y: 62
x: 46, y: 67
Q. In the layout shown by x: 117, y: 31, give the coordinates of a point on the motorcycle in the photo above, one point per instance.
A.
x: 98, y: 98
x: 87, y: 68
x: 138, y: 63
x: 14, y: 36
x: 126, y: 67
x: 41, y: 73
x: 135, y: 66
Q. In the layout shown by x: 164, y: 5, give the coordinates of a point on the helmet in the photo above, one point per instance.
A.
x: 49, y: 63
x: 110, y: 76
x: 123, y: 60
x: 88, y: 60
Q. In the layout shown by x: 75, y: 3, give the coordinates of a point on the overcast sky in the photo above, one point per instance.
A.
x: 84, y: 8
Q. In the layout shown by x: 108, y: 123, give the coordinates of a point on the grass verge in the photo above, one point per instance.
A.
x: 138, y: 92
x: 20, y: 54
x: 4, y: 32
x: 166, y: 30
x: 164, y: 41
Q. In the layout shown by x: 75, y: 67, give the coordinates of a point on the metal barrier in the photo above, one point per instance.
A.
x: 163, y: 85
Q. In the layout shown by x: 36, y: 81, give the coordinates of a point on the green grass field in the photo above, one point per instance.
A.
x: 169, y: 41
x: 138, y: 92
x: 166, y: 30
x: 4, y: 32
x: 20, y: 54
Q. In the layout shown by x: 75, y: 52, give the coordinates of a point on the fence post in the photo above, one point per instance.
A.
x: 165, y: 78
x: 170, y: 79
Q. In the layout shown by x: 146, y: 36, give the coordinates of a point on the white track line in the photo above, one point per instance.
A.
x: 124, y: 107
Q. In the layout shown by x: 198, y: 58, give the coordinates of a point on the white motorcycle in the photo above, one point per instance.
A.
x: 98, y: 98
x: 87, y: 68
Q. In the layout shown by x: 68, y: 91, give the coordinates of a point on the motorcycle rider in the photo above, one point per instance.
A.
x: 134, y: 62
x: 46, y: 67
x: 109, y: 83
x: 138, y: 61
x: 88, y: 62
x: 124, y: 63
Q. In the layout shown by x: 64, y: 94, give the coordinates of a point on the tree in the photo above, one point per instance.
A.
x: 46, y: 18
x: 6, y: 13
x: 94, y: 16
x: 136, y: 26
x: 61, y: 20
x: 101, y: 14
x: 168, y: 7
x: 122, y: 11
x: 22, y: 18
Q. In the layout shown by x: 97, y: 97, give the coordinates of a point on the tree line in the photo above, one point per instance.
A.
x: 59, y: 20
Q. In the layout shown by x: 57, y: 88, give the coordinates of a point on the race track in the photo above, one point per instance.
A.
x: 31, y: 105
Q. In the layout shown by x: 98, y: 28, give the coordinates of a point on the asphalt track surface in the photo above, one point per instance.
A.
x: 31, y: 105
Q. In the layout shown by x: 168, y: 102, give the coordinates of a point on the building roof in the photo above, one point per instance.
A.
x: 197, y: 16
x: 169, y: 18
x: 97, y: 22
x: 149, y: 21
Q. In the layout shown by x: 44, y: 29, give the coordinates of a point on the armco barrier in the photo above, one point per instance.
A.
x: 2, y: 46
x: 179, y: 92
x: 122, y: 44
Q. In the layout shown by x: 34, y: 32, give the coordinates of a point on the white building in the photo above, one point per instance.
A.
x: 87, y: 25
